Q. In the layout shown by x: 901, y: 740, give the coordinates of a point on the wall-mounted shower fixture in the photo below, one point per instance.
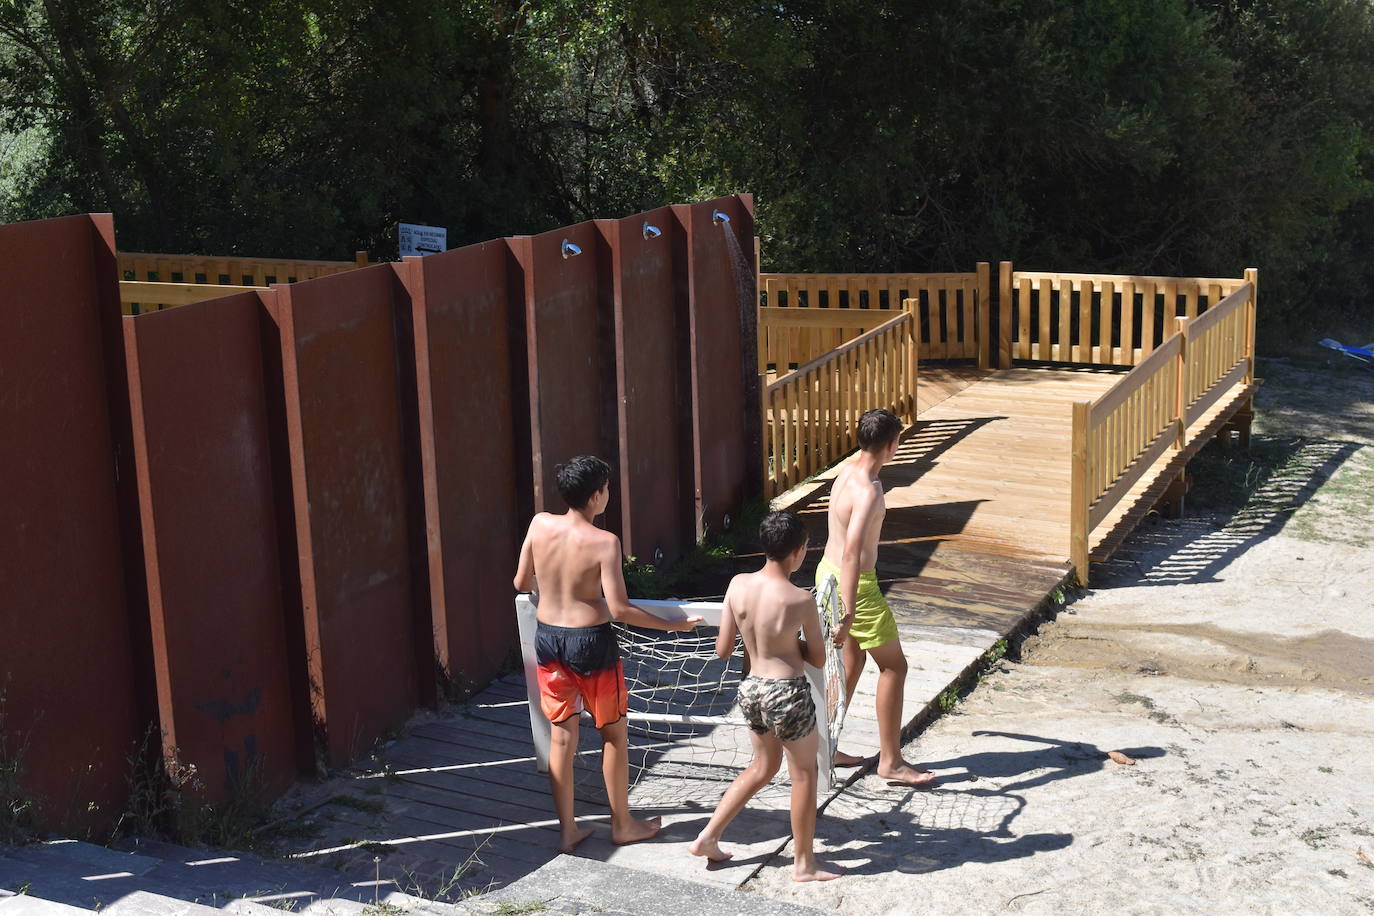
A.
x: 651, y: 231
x: 719, y: 218
x: 570, y: 250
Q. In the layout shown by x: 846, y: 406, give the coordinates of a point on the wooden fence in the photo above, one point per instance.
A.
x: 951, y: 313
x: 1096, y: 319
x: 1119, y: 437
x: 810, y: 415
x: 166, y: 276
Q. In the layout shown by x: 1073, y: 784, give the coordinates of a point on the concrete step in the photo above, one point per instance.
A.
x: 170, y: 880
x: 86, y: 859
x: 143, y: 903
x: 572, y: 885
x: 228, y: 868
x: 27, y: 905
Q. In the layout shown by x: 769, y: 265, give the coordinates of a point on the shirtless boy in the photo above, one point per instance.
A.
x: 775, y: 698
x: 581, y: 588
x: 867, y: 627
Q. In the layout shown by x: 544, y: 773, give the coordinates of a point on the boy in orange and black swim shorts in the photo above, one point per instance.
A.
x: 580, y: 588
x: 579, y: 667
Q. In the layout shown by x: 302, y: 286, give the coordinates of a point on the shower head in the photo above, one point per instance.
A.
x: 719, y: 218
x: 651, y: 231
x: 570, y: 250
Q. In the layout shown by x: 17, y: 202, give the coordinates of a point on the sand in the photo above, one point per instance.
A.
x: 1231, y: 655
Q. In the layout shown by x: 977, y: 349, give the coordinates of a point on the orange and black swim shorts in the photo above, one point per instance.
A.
x: 580, y: 667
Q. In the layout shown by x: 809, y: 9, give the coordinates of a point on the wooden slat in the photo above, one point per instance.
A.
x: 1042, y: 347
x: 1083, y: 340
x: 1064, y: 350
x: 1023, y: 343
x: 1103, y: 354
x: 1147, y: 320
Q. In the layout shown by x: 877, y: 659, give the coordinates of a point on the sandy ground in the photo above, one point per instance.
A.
x: 1230, y: 653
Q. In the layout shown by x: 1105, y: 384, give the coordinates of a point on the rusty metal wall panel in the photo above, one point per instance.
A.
x: 365, y: 614
x: 569, y: 355
x: 464, y: 304
x: 655, y: 509
x: 205, y: 444
x: 65, y: 650
x: 721, y: 290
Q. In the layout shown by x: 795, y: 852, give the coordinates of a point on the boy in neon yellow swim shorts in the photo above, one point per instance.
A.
x: 873, y: 623
x: 867, y: 629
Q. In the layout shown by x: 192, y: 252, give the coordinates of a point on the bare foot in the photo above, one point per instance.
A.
x: 818, y: 871
x: 710, y: 849
x: 569, y: 840
x: 637, y: 831
x: 841, y: 759
x: 906, y: 774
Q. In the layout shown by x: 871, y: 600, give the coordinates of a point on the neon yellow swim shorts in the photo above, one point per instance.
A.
x: 873, y: 621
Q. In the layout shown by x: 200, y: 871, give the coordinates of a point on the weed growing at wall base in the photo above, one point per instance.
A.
x: 17, y: 816
x: 167, y: 801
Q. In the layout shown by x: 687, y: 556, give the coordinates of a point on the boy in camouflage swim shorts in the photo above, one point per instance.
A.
x: 767, y: 610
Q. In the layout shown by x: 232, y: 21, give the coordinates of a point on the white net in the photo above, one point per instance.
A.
x: 686, y: 739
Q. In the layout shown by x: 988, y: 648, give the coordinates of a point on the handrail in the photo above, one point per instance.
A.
x: 1219, y: 352
x: 1223, y: 282
x: 791, y: 275
x: 831, y: 317
x: 1223, y: 308
x: 841, y: 350
x: 952, y: 312
x: 1113, y: 397
x: 1097, y: 319
x: 1119, y: 436
x: 170, y: 294
x: 810, y: 413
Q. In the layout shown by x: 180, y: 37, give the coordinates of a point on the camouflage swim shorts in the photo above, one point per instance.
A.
x: 782, y: 706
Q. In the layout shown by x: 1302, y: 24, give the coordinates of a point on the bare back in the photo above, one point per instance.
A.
x: 568, y: 555
x: 854, y: 491
x: 769, y: 611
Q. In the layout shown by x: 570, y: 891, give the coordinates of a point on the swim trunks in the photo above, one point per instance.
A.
x: 580, y: 667
x: 873, y: 621
x: 779, y: 705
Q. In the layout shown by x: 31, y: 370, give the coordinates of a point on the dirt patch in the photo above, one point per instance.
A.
x: 1331, y: 659
x: 1331, y: 399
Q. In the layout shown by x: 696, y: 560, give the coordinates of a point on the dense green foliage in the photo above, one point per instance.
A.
x: 1169, y: 136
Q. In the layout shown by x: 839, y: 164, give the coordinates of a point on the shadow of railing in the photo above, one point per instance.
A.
x: 1195, y: 552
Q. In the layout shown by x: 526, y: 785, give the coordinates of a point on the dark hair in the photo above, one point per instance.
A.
x: 781, y: 533
x: 877, y: 428
x: 581, y: 478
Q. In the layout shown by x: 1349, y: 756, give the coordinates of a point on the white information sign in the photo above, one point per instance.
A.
x: 421, y: 240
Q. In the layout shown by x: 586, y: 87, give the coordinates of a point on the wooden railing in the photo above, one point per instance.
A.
x: 139, y: 297
x: 951, y: 313
x: 1219, y: 349
x: 810, y: 414
x: 1117, y: 438
x: 155, y: 274
x: 1096, y: 319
